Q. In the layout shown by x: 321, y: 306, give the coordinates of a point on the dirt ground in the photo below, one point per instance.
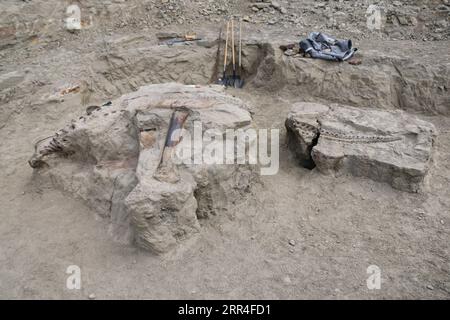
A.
x: 296, y: 235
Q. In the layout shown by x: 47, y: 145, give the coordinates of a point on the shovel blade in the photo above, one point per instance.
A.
x: 222, y: 82
x: 238, y: 82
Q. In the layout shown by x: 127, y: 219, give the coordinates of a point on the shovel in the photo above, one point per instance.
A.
x: 232, y: 82
x: 238, y: 81
x: 224, y: 80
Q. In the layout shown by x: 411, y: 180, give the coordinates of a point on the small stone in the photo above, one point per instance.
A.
x: 402, y: 20
x: 442, y: 8
x: 289, y: 52
x: 355, y: 62
x: 92, y: 296
x: 292, y: 243
x: 430, y: 287
x: 276, y: 5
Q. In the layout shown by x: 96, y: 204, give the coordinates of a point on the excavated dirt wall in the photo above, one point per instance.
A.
x: 383, y: 80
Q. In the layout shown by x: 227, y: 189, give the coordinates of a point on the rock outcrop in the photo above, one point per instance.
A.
x: 108, y: 157
x: 391, y: 147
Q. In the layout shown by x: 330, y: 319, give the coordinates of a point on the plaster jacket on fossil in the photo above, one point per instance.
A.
x: 110, y: 155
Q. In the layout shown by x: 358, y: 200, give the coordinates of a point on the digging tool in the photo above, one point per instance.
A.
x: 232, y: 82
x: 218, y: 57
x: 224, y: 80
x: 166, y: 171
x: 239, y: 82
x: 186, y: 39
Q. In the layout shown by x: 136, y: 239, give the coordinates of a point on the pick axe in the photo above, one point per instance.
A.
x: 167, y: 171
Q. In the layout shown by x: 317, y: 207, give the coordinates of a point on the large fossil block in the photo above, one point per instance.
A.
x: 110, y: 155
x: 386, y: 146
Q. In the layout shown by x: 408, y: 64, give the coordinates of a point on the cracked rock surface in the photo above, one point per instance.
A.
x: 108, y: 157
x: 386, y: 146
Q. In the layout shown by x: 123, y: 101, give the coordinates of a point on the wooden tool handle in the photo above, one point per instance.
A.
x: 232, y: 41
x: 226, y: 47
x: 240, y: 43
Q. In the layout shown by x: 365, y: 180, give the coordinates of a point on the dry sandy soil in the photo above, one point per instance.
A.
x: 340, y: 225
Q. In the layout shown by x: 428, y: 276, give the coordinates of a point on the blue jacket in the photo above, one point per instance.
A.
x: 320, y: 46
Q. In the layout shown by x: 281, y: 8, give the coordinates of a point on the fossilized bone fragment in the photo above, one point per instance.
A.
x: 166, y: 170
